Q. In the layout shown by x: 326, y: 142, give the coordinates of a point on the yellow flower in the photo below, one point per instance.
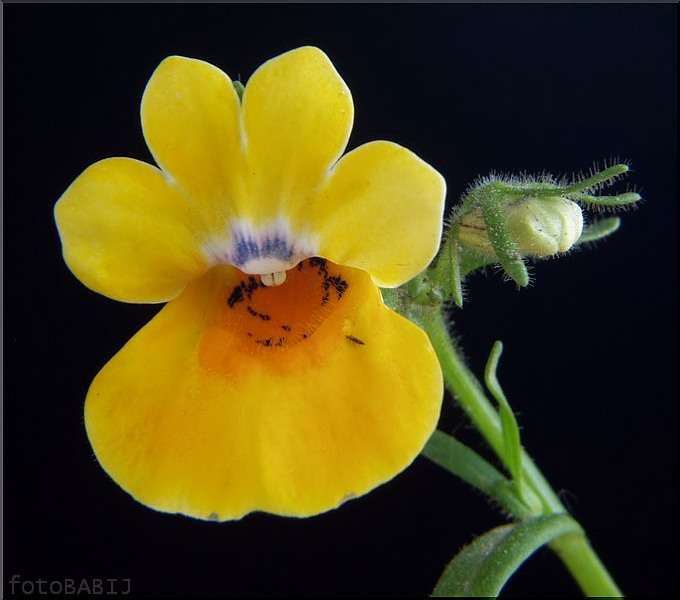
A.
x: 275, y: 378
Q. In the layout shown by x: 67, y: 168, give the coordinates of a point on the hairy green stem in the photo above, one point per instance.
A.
x: 574, y: 549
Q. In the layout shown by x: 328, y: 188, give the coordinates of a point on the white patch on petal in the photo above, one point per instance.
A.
x: 268, y: 250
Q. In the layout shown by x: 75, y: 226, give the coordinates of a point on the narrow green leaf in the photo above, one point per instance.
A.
x: 512, y: 449
x: 599, y: 229
x: 460, y: 460
x: 482, y: 568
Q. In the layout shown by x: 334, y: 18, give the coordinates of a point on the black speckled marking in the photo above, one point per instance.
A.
x: 331, y: 287
x: 236, y: 296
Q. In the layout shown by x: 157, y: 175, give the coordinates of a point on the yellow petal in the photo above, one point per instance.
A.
x: 127, y: 233
x: 381, y: 211
x: 297, y: 114
x: 190, y: 118
x: 289, y: 399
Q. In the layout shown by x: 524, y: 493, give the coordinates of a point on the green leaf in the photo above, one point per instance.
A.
x: 512, y: 449
x: 599, y: 229
x: 482, y: 568
x: 460, y: 460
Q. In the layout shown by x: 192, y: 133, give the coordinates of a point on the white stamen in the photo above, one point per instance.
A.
x: 270, y: 279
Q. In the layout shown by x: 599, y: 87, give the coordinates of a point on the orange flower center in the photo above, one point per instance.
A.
x: 284, y: 315
x: 251, y: 323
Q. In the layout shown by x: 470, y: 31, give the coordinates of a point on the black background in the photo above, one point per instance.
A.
x: 590, y: 353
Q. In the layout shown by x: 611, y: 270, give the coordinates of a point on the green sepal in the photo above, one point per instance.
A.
x: 470, y: 261
x: 482, y: 568
x: 599, y: 229
x: 453, y: 264
x: 447, y: 271
x: 618, y: 201
x: 503, y: 244
x: 605, y: 177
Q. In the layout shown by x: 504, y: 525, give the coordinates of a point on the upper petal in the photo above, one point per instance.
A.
x: 191, y: 121
x: 381, y: 210
x: 297, y: 115
x: 129, y: 234
x: 198, y: 415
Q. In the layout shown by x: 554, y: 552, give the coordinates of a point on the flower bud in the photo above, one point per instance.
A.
x: 544, y: 226
x: 539, y: 227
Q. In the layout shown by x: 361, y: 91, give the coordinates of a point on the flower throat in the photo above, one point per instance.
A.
x: 284, y: 315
